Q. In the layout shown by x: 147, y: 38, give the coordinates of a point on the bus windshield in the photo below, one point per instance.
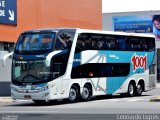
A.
x: 30, y: 72
x: 35, y: 42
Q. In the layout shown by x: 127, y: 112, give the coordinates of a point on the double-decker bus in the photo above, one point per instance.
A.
x: 73, y: 64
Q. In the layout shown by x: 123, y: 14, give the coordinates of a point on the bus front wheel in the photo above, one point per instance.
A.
x: 73, y: 94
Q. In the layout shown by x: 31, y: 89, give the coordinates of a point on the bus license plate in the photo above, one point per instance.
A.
x: 27, y: 97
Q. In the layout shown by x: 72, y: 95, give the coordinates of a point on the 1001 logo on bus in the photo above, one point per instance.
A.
x: 139, y: 62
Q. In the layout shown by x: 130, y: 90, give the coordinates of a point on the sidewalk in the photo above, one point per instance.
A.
x: 6, y: 100
x: 10, y: 100
x: 155, y: 99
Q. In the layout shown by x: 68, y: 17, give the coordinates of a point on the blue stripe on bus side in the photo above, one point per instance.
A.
x: 30, y: 57
x: 36, y: 57
x: 77, y: 60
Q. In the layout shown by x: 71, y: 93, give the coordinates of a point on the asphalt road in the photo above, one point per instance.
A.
x: 106, y: 105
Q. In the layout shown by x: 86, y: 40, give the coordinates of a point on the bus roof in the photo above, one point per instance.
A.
x: 78, y: 30
x: 114, y: 33
x: 48, y: 30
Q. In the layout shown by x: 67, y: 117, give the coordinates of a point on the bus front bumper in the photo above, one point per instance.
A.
x: 29, y: 94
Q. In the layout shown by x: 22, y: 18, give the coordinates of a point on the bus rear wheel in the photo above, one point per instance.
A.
x: 86, y: 93
x: 73, y: 94
x: 131, y: 89
x: 139, y: 90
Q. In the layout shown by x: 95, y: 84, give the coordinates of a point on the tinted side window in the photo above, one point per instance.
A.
x: 64, y: 39
x: 102, y: 70
x: 90, y: 41
x: 151, y: 44
x: 141, y: 44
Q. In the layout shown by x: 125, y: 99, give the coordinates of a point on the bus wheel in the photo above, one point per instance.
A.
x: 73, y: 94
x: 86, y: 93
x: 139, y: 90
x: 131, y: 89
x: 40, y: 102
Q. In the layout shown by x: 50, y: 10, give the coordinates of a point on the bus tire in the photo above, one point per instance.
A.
x: 86, y: 93
x: 139, y: 89
x: 73, y: 94
x: 40, y: 102
x: 131, y: 89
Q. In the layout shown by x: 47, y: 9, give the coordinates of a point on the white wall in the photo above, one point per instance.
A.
x: 110, y: 6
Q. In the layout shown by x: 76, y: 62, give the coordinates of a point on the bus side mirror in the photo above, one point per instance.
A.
x: 5, y: 58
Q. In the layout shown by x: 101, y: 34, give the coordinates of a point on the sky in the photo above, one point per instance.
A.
x: 109, y: 6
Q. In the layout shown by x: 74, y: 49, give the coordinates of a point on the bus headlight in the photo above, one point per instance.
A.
x: 47, y: 87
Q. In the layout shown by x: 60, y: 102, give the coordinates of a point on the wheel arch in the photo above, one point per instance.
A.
x: 77, y: 85
x: 132, y: 81
x: 71, y: 85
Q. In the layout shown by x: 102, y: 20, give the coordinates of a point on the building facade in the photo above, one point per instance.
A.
x: 35, y: 14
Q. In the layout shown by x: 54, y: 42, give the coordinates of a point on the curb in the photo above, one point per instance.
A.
x: 156, y: 99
